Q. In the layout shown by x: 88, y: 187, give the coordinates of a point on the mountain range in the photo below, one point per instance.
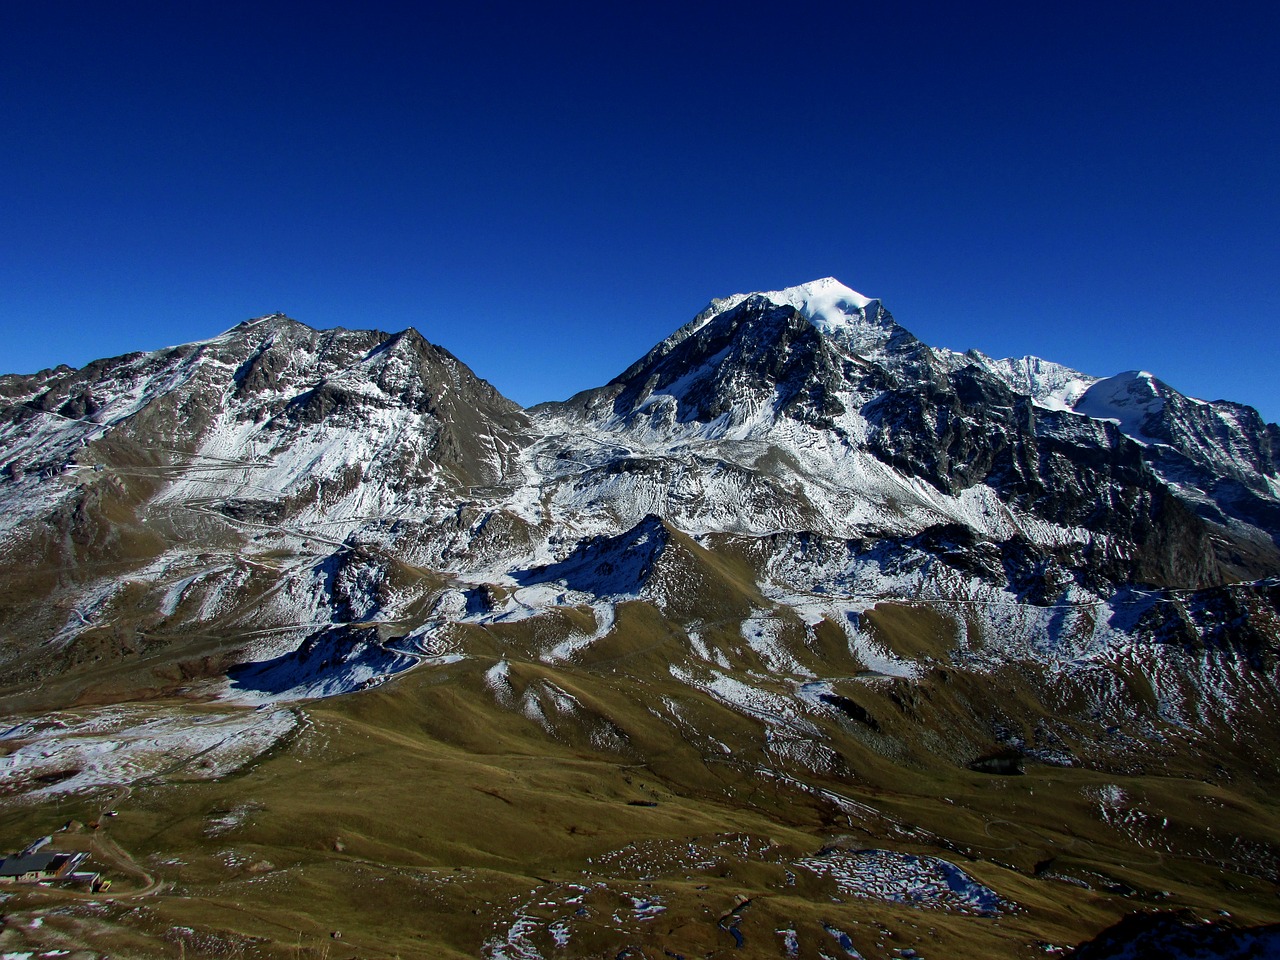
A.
x: 792, y: 544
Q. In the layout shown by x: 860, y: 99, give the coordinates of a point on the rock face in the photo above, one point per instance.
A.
x: 794, y: 451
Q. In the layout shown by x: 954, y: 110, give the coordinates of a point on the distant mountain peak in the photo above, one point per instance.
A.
x: 267, y: 319
x: 1133, y: 399
x: 856, y: 323
x: 826, y: 303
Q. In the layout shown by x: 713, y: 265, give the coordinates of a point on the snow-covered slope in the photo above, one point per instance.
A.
x: 1130, y: 400
x: 341, y: 422
x: 1050, y: 385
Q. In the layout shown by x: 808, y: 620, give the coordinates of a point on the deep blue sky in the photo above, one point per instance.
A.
x: 549, y: 189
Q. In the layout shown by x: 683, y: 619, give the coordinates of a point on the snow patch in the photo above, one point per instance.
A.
x: 920, y: 881
x: 69, y: 752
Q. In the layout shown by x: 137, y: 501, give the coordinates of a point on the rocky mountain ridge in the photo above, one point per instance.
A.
x: 803, y: 413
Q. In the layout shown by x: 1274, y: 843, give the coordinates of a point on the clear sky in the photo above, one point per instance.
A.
x: 547, y: 190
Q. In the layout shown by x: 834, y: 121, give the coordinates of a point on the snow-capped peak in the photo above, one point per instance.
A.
x: 1129, y: 399
x: 827, y: 303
